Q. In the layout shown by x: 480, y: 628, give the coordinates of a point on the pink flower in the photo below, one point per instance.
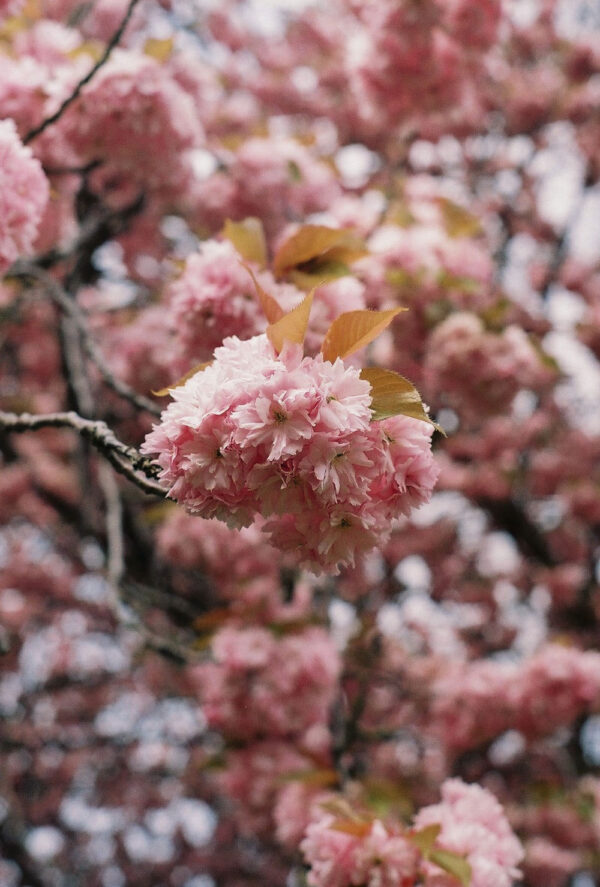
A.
x: 473, y: 824
x: 23, y: 196
x: 503, y: 363
x: 132, y: 100
x: 261, y: 686
x: 258, y: 433
x: 213, y: 299
x: 381, y: 857
x: 10, y: 7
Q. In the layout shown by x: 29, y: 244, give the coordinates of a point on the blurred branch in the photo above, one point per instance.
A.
x: 125, y: 459
x: 36, y: 131
x: 509, y: 516
x: 27, y: 270
x: 114, y: 525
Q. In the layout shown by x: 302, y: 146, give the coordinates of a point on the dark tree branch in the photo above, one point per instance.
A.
x: 36, y: 131
x: 27, y: 270
x: 507, y: 515
x: 125, y: 459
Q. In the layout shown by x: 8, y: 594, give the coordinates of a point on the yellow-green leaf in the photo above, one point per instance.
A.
x: 211, y: 620
x: 342, y: 809
x: 309, y: 277
x: 425, y: 838
x: 392, y: 395
x: 317, y: 777
x: 353, y: 330
x: 195, y: 369
x: 351, y: 827
x: 90, y: 48
x: 455, y: 865
x: 458, y: 222
x: 248, y: 237
x: 271, y: 308
x: 383, y: 796
x: 161, y: 50
x: 292, y: 326
x: 312, y: 241
x: 398, y: 213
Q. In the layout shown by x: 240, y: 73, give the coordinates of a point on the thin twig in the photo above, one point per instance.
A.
x: 115, y: 561
x: 36, y: 131
x: 24, y: 269
x: 125, y: 459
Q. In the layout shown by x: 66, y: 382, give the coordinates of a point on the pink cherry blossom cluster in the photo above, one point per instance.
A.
x: 253, y: 778
x: 423, y: 264
x: 132, y: 100
x: 10, y: 7
x: 480, y: 371
x: 478, y: 700
x: 240, y: 566
x: 291, y: 439
x: 379, y: 854
x: 382, y: 857
x: 474, y: 825
x: 23, y: 196
x: 215, y: 298
x: 261, y: 686
x: 271, y: 178
x: 414, y: 57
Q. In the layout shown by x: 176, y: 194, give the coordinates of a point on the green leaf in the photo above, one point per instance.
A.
x: 393, y: 395
x: 294, y: 171
x: 292, y: 326
x: 425, y: 838
x: 455, y: 865
x: 404, y: 280
x: 248, y: 237
x: 313, y: 274
x: 353, y: 330
x: 384, y: 796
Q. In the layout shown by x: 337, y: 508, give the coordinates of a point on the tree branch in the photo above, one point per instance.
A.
x: 23, y: 269
x: 125, y: 459
x: 36, y: 131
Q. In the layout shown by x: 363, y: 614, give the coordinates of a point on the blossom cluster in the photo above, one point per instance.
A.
x: 478, y: 700
x: 290, y: 438
x: 473, y: 823
x: 23, y: 196
x: 132, y: 100
x: 261, y: 686
x: 480, y: 370
x: 215, y: 298
x: 382, y: 857
x: 378, y: 854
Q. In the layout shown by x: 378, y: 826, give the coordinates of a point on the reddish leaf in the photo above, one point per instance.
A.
x: 195, y: 369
